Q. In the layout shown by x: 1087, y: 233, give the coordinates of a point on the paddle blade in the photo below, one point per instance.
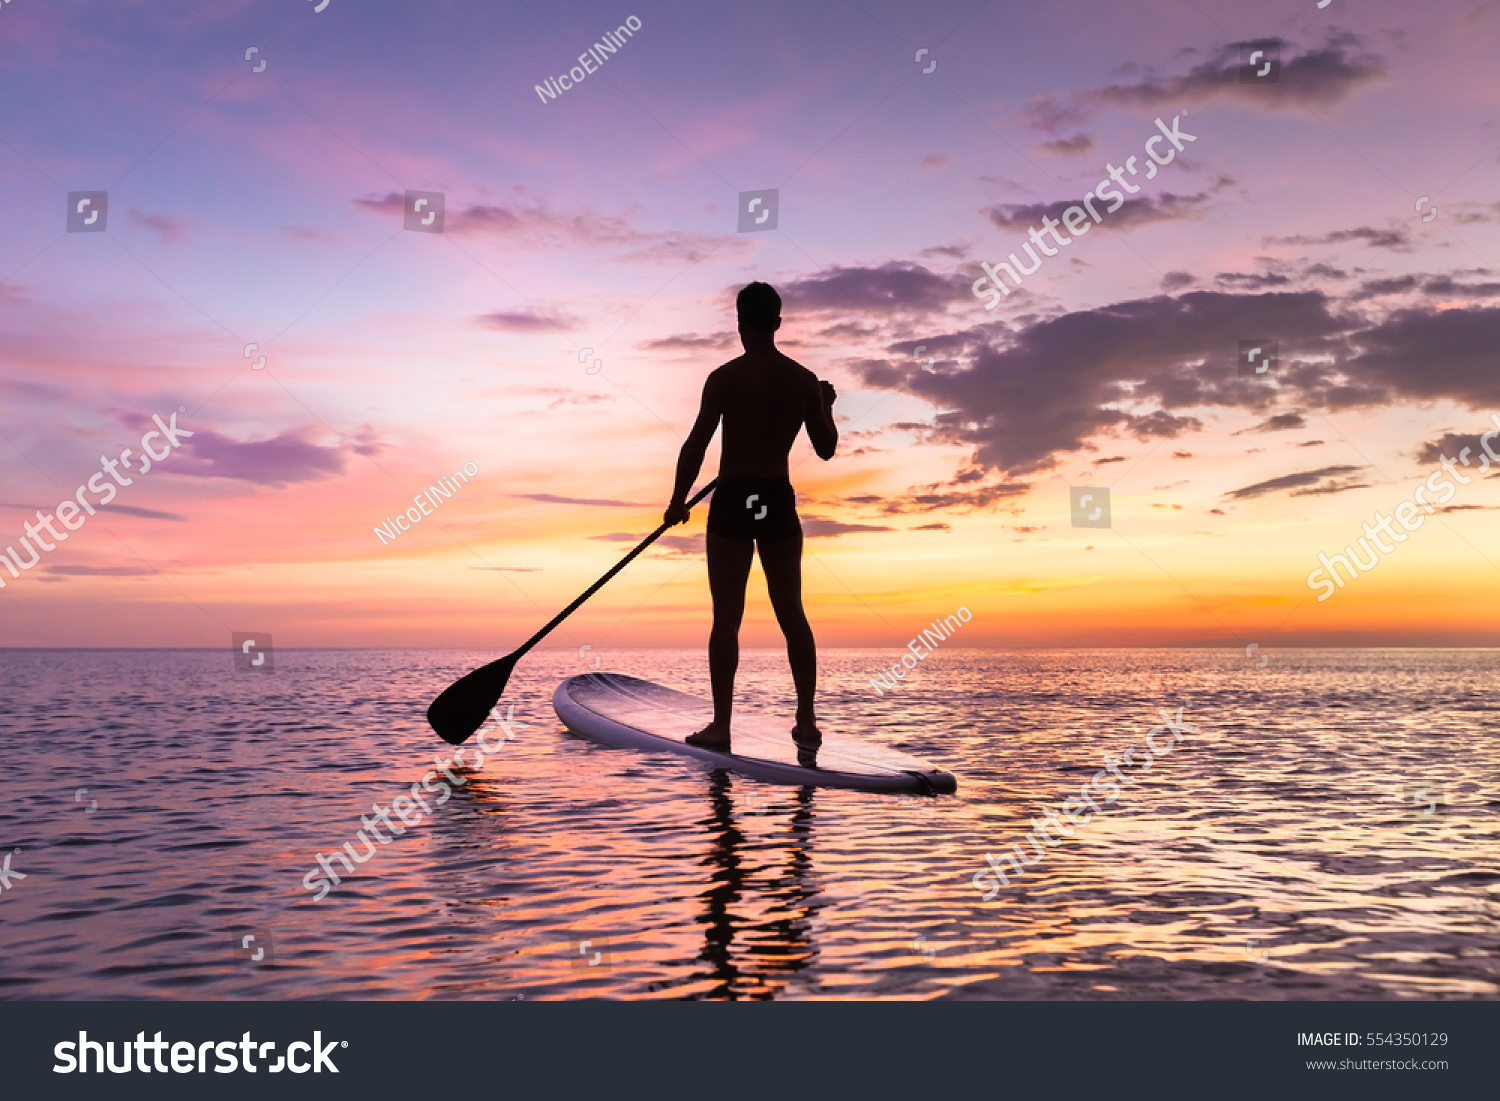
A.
x: 466, y: 703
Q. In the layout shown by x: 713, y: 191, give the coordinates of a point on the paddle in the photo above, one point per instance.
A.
x: 466, y: 703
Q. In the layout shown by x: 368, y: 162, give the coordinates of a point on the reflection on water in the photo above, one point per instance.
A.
x: 755, y: 957
x: 1329, y: 831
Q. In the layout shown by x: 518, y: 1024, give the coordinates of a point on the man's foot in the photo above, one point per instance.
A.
x: 712, y: 736
x: 806, y: 733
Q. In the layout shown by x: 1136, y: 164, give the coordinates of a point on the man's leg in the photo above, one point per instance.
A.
x: 781, y: 559
x: 728, y: 570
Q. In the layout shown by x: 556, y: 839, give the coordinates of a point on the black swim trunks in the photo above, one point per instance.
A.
x: 754, y: 508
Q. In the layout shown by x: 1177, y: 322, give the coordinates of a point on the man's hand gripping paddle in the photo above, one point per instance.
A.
x: 466, y: 703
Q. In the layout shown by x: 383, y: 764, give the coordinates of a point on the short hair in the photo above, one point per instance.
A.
x: 759, y: 307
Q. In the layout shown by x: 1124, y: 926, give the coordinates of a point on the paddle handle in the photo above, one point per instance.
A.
x: 597, y: 585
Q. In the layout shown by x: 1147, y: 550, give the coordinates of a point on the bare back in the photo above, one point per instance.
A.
x: 764, y: 400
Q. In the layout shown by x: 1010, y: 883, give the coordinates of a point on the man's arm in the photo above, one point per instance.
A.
x: 690, y: 458
x: 821, y: 430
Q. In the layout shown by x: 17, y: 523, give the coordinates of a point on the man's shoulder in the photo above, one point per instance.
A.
x: 725, y: 370
x: 745, y: 369
x: 802, y: 373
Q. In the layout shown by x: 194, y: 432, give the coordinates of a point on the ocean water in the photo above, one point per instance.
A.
x: 1329, y: 829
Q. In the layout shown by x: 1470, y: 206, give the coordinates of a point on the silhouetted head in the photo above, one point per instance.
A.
x: 759, y: 308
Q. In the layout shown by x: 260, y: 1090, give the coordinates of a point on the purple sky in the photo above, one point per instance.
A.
x: 267, y: 208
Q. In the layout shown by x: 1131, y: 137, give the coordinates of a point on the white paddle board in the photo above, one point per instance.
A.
x: 631, y: 713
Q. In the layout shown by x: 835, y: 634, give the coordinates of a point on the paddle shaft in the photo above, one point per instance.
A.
x: 597, y: 585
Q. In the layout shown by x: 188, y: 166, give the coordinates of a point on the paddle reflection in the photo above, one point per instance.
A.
x: 758, y: 915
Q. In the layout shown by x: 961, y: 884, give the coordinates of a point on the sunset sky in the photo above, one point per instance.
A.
x: 267, y: 207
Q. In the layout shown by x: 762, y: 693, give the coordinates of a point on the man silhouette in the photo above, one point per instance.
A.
x: 764, y: 399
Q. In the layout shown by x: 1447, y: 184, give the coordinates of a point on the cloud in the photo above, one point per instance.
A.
x: 894, y: 285
x: 681, y: 546
x: 169, y: 230
x: 933, y: 527
x: 308, y: 235
x: 1466, y: 214
x: 1111, y: 459
x: 691, y: 342
x: 1281, y: 422
x: 560, y: 396
x: 143, y: 513
x: 529, y: 223
x: 1075, y: 146
x: 526, y: 321
x: 1302, y: 484
x: 101, y: 571
x: 1375, y: 288
x: 1427, y: 355
x: 1176, y: 280
x: 1321, y: 78
x: 580, y: 399
x: 949, y: 252
x: 935, y: 497
x: 1326, y: 272
x: 1437, y: 286
x: 1251, y: 280
x: 1049, y: 387
x: 32, y: 390
x: 1144, y: 211
x: 1394, y: 239
x: 1018, y: 397
x: 1444, y: 286
x: 509, y: 569
x: 934, y: 160
x: 1452, y: 445
x: 283, y: 460
x: 817, y: 527
x: 601, y: 502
